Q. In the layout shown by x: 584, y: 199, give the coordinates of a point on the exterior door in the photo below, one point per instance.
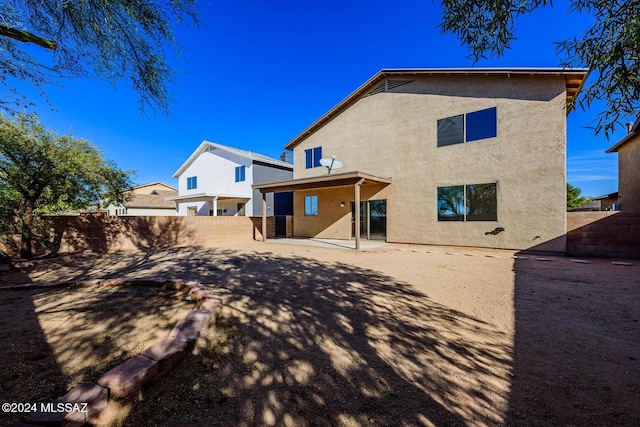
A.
x: 373, y: 219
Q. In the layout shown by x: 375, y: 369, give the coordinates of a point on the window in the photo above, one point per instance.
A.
x: 468, y: 127
x: 310, y: 205
x: 192, y: 182
x: 192, y: 211
x: 240, y: 173
x: 312, y: 157
x: 475, y: 202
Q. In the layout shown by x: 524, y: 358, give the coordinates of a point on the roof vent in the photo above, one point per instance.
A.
x: 378, y: 89
x: 392, y: 84
x: 387, y: 85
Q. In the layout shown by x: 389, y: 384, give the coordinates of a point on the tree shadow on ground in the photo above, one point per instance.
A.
x: 104, y: 234
x: 57, y: 337
x: 577, y: 344
x: 303, y: 342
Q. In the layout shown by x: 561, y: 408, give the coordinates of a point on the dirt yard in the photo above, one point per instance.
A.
x: 312, y: 336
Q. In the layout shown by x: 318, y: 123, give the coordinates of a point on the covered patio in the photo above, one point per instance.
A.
x: 347, y: 179
x: 217, y: 203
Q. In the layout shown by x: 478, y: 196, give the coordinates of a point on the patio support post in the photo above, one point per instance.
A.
x: 215, y: 206
x: 264, y: 216
x: 357, y: 212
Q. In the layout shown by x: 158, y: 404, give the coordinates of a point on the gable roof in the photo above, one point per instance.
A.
x: 153, y: 184
x: 634, y: 131
x: 154, y: 200
x: 250, y: 155
x: 574, y: 79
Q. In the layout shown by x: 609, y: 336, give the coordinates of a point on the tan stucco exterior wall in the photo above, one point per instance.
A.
x: 629, y: 175
x: 393, y: 134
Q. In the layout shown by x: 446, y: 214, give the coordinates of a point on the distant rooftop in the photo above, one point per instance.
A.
x: 250, y: 155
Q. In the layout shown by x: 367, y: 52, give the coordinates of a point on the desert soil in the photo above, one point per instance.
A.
x: 313, y: 336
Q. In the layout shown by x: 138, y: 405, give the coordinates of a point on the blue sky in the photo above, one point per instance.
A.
x: 256, y: 74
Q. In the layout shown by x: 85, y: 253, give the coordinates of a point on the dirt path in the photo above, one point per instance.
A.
x: 312, y: 336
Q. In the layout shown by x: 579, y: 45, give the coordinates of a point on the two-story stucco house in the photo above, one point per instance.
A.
x: 216, y: 180
x: 465, y: 157
x: 628, y: 149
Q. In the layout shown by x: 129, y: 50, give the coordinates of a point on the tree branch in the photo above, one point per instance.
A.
x: 27, y: 37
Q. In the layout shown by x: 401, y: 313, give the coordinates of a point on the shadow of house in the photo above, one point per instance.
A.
x: 576, y: 346
x: 604, y: 234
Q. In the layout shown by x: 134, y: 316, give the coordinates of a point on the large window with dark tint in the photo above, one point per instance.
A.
x: 474, y: 202
x: 451, y: 131
x: 467, y: 127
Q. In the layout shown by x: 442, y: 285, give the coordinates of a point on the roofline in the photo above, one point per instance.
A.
x: 148, y: 207
x: 206, y: 196
x: 634, y: 131
x: 321, y: 181
x: 232, y: 150
x: 576, y: 86
x: 152, y: 183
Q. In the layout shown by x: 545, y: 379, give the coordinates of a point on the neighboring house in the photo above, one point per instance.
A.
x: 440, y: 156
x: 146, y: 200
x: 628, y: 149
x: 216, y: 180
x: 606, y: 202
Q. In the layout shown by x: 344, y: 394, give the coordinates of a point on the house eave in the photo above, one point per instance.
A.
x: 574, y: 81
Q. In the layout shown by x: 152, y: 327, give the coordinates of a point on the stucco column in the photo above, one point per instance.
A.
x: 215, y: 206
x: 357, y: 212
x: 264, y: 216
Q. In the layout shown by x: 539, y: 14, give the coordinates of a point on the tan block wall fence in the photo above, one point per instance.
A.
x: 124, y: 233
x: 605, y: 234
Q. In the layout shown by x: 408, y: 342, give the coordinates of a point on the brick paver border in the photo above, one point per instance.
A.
x: 86, y: 401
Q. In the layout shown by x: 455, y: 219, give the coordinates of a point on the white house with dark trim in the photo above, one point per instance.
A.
x: 216, y: 180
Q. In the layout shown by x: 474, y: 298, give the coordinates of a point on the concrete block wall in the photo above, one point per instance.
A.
x: 124, y: 233
x: 604, y: 234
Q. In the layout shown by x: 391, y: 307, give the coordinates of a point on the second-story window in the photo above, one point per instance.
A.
x: 240, y: 173
x: 192, y: 182
x: 312, y: 157
x: 467, y: 127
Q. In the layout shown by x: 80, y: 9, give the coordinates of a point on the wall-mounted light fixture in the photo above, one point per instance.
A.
x: 342, y: 204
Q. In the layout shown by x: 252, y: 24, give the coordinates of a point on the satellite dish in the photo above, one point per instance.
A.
x: 331, y: 164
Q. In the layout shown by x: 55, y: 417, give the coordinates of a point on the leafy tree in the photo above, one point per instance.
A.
x: 42, y: 173
x: 574, y: 199
x: 609, y: 48
x: 111, y: 39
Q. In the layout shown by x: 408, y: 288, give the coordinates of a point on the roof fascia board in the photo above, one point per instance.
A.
x: 404, y: 72
x: 205, y: 145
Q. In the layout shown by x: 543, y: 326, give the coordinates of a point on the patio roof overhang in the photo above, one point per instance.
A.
x: 205, y: 196
x: 356, y: 179
x: 323, y: 181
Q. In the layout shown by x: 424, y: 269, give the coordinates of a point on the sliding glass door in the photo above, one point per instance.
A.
x: 373, y: 219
